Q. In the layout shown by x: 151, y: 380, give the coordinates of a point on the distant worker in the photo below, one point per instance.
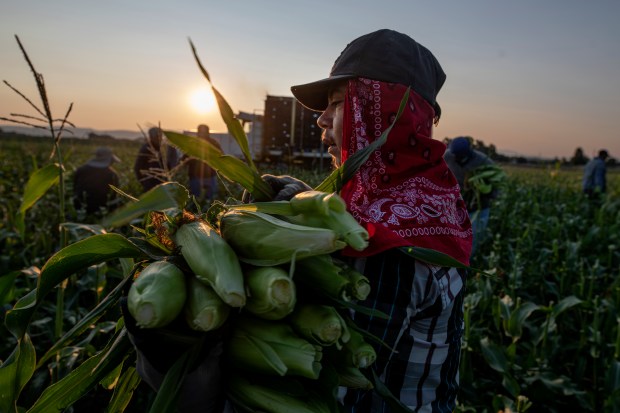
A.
x: 91, y: 183
x: 595, y: 176
x: 464, y: 161
x: 152, y: 164
x: 202, y: 178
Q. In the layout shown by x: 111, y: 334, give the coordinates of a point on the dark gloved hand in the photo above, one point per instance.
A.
x: 284, y: 186
x: 159, y: 348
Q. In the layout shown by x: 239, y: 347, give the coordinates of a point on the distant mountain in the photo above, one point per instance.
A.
x: 74, y: 132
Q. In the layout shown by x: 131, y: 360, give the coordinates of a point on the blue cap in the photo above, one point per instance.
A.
x: 460, y: 146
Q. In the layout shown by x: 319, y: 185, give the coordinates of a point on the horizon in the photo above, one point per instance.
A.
x: 534, y: 79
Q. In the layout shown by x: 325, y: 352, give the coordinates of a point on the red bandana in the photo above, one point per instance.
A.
x: 404, y: 195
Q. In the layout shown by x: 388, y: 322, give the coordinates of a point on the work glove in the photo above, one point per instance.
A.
x: 284, y: 186
x: 158, y: 349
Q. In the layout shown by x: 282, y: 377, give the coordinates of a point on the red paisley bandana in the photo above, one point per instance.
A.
x: 404, y: 195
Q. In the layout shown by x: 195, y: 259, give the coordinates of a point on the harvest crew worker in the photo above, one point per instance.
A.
x: 404, y: 195
x: 152, y: 163
x: 595, y: 176
x: 91, y: 183
x: 463, y: 160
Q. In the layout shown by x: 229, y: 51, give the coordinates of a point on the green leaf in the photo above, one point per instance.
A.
x: 432, y: 256
x: 233, y: 125
x: 232, y: 168
x: 565, y: 304
x: 511, y: 385
x: 382, y: 390
x: 39, y: 182
x: 163, y: 196
x: 169, y: 391
x: 123, y: 391
x: 494, y: 355
x: 271, y: 208
x: 74, y: 257
x: 514, y: 326
x: 85, y: 322
x: 7, y: 287
x: 335, y: 181
x: 15, y: 372
x: 62, y: 394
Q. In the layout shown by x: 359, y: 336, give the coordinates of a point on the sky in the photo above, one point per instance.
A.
x: 532, y: 77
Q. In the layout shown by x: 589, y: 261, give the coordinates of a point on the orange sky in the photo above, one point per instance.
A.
x: 533, y: 79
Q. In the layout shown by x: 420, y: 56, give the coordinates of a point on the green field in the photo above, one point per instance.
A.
x: 542, y: 329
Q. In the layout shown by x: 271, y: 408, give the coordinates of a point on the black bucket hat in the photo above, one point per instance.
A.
x: 385, y: 55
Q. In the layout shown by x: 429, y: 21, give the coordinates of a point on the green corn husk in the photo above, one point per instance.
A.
x: 359, y: 285
x: 320, y: 324
x: 204, y: 310
x: 272, y: 347
x: 357, y: 352
x: 317, y: 202
x: 264, y: 240
x: 274, y: 395
x: 271, y: 293
x: 212, y: 260
x: 321, y: 274
x: 322, y: 210
x: 351, y: 377
x: 157, y: 296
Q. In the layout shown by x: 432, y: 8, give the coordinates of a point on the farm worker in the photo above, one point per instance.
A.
x: 202, y: 178
x: 595, y: 176
x: 463, y: 160
x: 153, y: 164
x: 91, y: 183
x: 404, y: 195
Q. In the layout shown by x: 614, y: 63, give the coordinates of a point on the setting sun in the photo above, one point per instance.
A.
x: 202, y: 100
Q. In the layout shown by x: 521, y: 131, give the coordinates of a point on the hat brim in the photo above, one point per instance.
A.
x: 314, y: 96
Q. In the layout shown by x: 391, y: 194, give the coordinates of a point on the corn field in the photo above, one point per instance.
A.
x: 542, y: 326
x: 542, y: 323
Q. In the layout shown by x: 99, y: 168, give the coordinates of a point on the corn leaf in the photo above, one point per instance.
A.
x: 164, y: 196
x: 168, y: 393
x: 396, y: 405
x: 232, y: 168
x: 432, y: 256
x: 15, y: 372
x: 233, y: 125
x: 80, y: 381
x: 123, y: 391
x: 74, y: 257
x: 271, y: 207
x: 335, y: 181
x: 85, y: 322
x: 38, y: 184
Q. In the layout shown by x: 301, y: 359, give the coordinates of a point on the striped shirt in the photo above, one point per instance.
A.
x: 425, y: 305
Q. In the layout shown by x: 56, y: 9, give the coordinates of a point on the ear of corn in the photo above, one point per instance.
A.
x: 272, y: 347
x: 204, y: 310
x: 321, y: 210
x: 351, y: 377
x: 320, y: 324
x: 358, y: 285
x: 261, y: 239
x: 357, y: 352
x: 317, y: 203
x: 274, y: 395
x: 212, y: 260
x: 157, y: 296
x: 321, y: 274
x: 271, y: 292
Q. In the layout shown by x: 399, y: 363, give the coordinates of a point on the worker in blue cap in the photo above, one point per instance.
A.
x: 463, y: 160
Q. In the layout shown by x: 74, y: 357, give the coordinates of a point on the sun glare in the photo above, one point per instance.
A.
x: 202, y: 101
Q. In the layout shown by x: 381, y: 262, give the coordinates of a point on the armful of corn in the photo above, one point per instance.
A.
x: 239, y: 262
